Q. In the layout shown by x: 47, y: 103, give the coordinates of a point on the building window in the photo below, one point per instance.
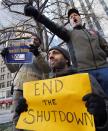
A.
x: 8, y: 93
x: 9, y: 83
x: 2, y: 85
x: 2, y: 95
x: 9, y: 75
x: 2, y: 77
x: 3, y: 69
x: 2, y: 62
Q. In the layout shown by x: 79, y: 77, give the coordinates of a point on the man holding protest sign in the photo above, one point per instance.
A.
x: 95, y: 102
x: 37, y: 70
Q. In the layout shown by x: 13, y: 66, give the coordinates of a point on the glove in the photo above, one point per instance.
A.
x: 4, y: 52
x: 96, y: 106
x: 22, y: 106
x: 34, y: 50
x: 29, y: 10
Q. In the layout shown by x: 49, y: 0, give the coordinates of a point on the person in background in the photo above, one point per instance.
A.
x: 38, y: 70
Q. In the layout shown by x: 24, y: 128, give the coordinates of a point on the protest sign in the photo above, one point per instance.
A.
x: 19, y: 52
x: 19, y: 55
x: 56, y: 104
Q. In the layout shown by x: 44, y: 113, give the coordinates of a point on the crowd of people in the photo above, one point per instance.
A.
x: 91, y: 51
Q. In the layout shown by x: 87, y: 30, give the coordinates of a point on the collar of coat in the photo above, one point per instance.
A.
x: 79, y: 27
x: 68, y: 71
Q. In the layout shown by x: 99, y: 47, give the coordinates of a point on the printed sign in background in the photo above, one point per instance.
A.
x: 19, y: 54
x: 56, y: 105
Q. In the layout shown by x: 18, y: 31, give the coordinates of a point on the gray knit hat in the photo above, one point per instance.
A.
x: 63, y: 51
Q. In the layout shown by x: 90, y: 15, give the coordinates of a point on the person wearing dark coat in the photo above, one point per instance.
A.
x: 95, y: 102
x: 26, y: 72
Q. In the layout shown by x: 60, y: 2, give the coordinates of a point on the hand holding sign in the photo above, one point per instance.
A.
x: 54, y: 104
x: 22, y: 106
x: 34, y: 50
x: 96, y: 105
x: 34, y: 43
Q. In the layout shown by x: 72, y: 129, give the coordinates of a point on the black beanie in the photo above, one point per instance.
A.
x: 73, y: 10
x: 63, y: 51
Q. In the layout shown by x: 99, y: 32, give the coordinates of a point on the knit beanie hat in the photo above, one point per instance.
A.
x: 63, y: 51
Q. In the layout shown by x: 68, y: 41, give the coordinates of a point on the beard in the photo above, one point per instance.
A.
x: 58, y: 65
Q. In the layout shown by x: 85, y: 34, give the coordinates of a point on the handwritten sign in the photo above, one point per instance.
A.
x: 56, y: 104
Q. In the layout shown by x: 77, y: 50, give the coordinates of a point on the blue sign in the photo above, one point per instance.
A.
x: 19, y: 54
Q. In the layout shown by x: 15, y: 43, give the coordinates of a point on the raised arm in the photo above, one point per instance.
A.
x: 61, y: 32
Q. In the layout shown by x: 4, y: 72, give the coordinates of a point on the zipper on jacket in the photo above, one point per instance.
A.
x: 94, y: 59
